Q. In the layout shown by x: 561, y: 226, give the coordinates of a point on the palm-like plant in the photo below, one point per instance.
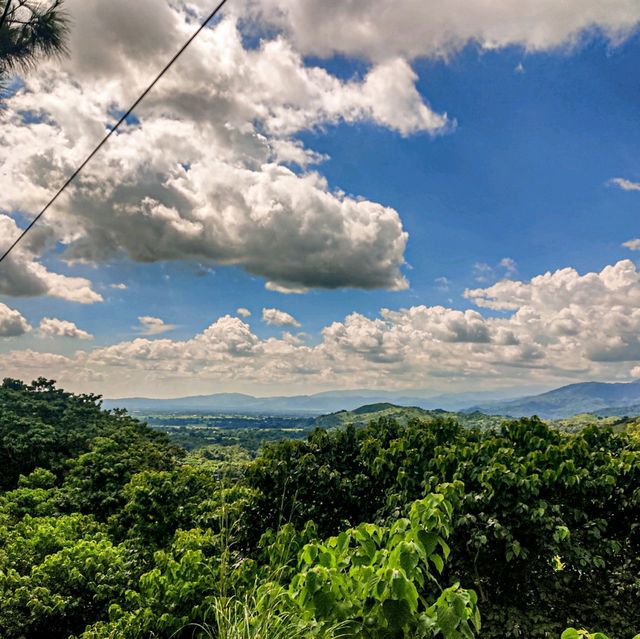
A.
x: 30, y: 31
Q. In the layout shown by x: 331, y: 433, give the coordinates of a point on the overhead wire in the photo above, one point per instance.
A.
x: 127, y: 114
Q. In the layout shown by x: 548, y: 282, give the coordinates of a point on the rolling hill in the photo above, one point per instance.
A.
x: 364, y: 414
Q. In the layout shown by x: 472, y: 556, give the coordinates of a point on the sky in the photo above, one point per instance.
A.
x: 321, y: 195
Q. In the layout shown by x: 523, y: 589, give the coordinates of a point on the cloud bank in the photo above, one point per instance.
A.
x: 558, y: 327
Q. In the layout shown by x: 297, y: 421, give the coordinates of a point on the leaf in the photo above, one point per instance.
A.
x: 397, y: 613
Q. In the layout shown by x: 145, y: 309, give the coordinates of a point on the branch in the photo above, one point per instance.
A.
x: 5, y: 13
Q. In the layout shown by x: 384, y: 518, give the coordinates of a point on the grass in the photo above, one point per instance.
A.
x: 259, y: 616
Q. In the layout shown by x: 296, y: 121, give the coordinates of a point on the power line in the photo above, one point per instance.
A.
x: 104, y: 140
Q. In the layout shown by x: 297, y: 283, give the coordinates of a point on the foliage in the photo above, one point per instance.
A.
x: 57, y: 574
x: 96, y: 479
x: 533, y: 497
x: 259, y: 615
x: 42, y: 426
x: 108, y: 531
x: 371, y: 578
x: 66, y: 591
x: 29, y: 31
x: 36, y: 495
x: 160, y: 503
x: 572, y: 633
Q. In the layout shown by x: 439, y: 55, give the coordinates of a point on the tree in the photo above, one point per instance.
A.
x: 30, y: 31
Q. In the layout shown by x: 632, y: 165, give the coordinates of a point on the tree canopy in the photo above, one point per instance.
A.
x: 419, y: 529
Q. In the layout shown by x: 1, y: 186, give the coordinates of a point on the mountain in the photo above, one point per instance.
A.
x: 587, y: 397
x: 316, y: 404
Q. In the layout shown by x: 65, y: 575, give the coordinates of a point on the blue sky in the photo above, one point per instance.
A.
x: 522, y: 173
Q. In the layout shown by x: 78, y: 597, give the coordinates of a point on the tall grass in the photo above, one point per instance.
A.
x: 261, y: 611
x: 258, y: 616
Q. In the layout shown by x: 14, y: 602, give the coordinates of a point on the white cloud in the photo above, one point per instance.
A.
x: 509, y: 266
x: 276, y: 317
x: 442, y: 283
x: 205, y: 176
x: 201, y: 178
x: 484, y: 273
x: 377, y: 30
x: 243, y: 312
x: 12, y: 323
x: 154, y: 325
x: 632, y: 245
x: 625, y: 185
x: 120, y: 287
x: 52, y: 327
x: 559, y: 327
x: 21, y: 274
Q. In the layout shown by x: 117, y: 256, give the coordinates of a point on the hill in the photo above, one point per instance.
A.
x: 363, y: 415
x: 600, y: 398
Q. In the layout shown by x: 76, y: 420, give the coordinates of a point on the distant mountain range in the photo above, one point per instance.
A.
x: 308, y: 405
x: 589, y: 397
x: 598, y: 398
x: 317, y: 404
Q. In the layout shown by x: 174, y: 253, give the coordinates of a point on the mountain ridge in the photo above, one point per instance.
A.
x: 312, y: 404
x: 562, y: 402
x: 604, y: 398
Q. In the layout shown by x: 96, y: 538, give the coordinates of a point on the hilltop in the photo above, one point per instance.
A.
x: 363, y: 415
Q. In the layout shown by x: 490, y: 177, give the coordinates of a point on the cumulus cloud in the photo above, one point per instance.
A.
x: 154, y: 325
x: 377, y: 30
x: 12, y: 323
x: 594, y: 315
x: 120, y: 287
x: 632, y: 245
x: 276, y: 317
x: 625, y: 185
x: 555, y: 328
x: 52, y: 327
x: 205, y: 175
x: 22, y: 275
x: 212, y: 171
x: 243, y: 312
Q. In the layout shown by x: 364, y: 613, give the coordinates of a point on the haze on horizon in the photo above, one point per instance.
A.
x: 304, y: 205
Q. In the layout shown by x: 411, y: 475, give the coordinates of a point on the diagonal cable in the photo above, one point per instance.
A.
x: 104, y: 140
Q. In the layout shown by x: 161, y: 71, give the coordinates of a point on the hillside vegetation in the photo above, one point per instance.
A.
x: 396, y: 529
x: 403, y: 414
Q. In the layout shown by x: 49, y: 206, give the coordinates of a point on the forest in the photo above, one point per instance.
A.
x: 423, y: 529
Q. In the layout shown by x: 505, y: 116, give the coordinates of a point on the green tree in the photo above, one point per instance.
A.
x: 29, y: 31
x: 547, y: 526
x: 42, y: 426
x: 372, y: 579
